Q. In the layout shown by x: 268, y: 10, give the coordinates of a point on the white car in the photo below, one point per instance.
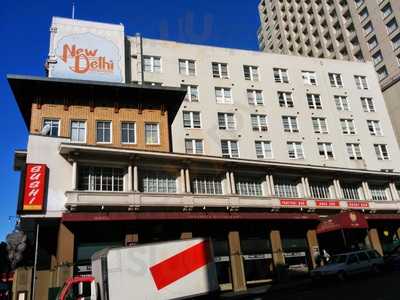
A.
x: 346, y: 264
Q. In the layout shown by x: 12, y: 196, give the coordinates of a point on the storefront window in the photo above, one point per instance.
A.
x: 295, y: 252
x: 101, y: 179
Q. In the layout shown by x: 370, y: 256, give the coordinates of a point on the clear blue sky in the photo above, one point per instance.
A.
x: 24, y: 33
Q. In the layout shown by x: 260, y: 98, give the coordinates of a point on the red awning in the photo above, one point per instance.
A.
x: 345, y: 220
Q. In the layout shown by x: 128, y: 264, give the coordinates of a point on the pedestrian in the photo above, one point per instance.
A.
x: 326, y: 256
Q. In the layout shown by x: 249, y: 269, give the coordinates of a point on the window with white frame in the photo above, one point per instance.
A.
x: 255, y: 97
x: 152, y: 64
x: 223, y: 95
x: 230, y: 148
x: 309, y: 77
x: 392, y: 25
x: 248, y: 187
x: 192, y: 94
x: 381, y: 151
x: 396, y: 42
x: 368, y: 28
x: 320, y: 190
x: 128, y: 132
x: 100, y: 179
x: 285, y: 99
x: 158, y: 182
x: 314, y: 101
x: 359, y: 3
x: 259, y: 122
x: 295, y: 150
x: 220, y: 70
x: 103, y: 131
x: 325, y: 151
x: 251, y: 73
x: 78, y: 131
x: 348, y: 126
x: 354, y: 151
x: 263, y: 149
x: 367, y: 104
x: 378, y: 192
x: 382, y: 73
x: 285, y: 188
x: 226, y: 121
x: 351, y: 191
x: 372, y: 43
x: 191, y: 119
x: 194, y: 146
x: 374, y: 127
x: 152, y: 133
x: 281, y: 75
x: 320, y: 125
x: 211, y: 185
x: 290, y: 124
x: 187, y: 67
x: 377, y: 57
x: 361, y: 82
x: 335, y: 80
x: 364, y: 14
x: 342, y: 103
x: 52, y: 127
x: 386, y: 10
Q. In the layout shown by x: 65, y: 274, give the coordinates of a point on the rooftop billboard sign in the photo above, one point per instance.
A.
x: 86, y: 50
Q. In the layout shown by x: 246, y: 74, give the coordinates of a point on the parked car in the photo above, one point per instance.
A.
x: 350, y: 263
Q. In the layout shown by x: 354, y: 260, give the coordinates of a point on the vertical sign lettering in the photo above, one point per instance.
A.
x: 35, y: 183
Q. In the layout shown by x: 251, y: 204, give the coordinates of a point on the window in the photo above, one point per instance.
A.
x: 320, y: 190
x: 220, y: 70
x: 361, y: 82
x: 378, y: 192
x: 100, y: 179
x: 223, y: 95
x: 259, y: 122
x: 230, y: 148
x: 192, y: 94
x: 78, y: 131
x: 367, y: 104
x: 351, y: 191
x: 251, y: 73
x: 281, y: 75
x: 396, y: 42
x: 193, y: 146
x: 128, y: 133
x: 382, y: 73
x: 347, y: 126
x: 364, y: 14
x: 295, y: 150
x: 359, y: 3
x: 285, y: 188
x: 152, y: 64
x: 374, y: 127
x: 248, y: 187
x: 285, y: 99
x: 314, y: 101
x: 372, y: 43
x: 381, y: 151
x: 309, y: 77
x: 255, y: 97
x: 263, y: 149
x: 325, y: 151
x: 290, y: 124
x: 354, y: 151
x: 387, y: 10
x: 103, y: 131
x: 368, y: 28
x: 151, y: 132
x: 342, y: 103
x: 187, y: 67
x: 153, y: 182
x: 207, y: 185
x: 52, y: 127
x: 336, y: 80
x: 377, y: 57
x: 319, y: 125
x: 191, y: 119
x: 392, y: 25
x: 226, y: 121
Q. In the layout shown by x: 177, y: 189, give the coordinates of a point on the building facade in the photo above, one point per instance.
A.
x: 261, y: 153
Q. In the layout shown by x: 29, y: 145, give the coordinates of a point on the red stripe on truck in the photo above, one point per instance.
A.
x: 178, y: 266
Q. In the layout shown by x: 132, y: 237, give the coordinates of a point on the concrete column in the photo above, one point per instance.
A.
x: 313, y: 246
x: 374, y: 240
x: 65, y: 254
x: 183, y: 181
x: 22, y: 282
x: 228, y: 184
x: 129, y: 185
x: 131, y: 239
x: 271, y: 182
x: 135, y: 178
x: 268, y: 191
x: 277, y: 249
x: 238, y: 277
x: 306, y: 188
x: 74, y: 175
x: 186, y: 235
x: 398, y: 232
x: 187, y: 180
x: 233, y: 185
x: 393, y: 192
x: 338, y: 188
x: 366, y: 191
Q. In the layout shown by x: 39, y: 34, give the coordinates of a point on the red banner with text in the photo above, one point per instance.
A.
x: 35, y: 185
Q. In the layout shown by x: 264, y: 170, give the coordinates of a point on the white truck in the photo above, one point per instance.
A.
x: 160, y: 271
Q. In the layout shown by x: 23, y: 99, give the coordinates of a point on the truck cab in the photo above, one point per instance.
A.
x: 78, y: 288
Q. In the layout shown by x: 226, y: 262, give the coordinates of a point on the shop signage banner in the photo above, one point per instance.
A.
x: 35, y: 186
x: 293, y: 202
x: 327, y: 203
x: 357, y: 204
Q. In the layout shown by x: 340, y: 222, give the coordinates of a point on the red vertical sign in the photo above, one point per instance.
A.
x: 35, y: 184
